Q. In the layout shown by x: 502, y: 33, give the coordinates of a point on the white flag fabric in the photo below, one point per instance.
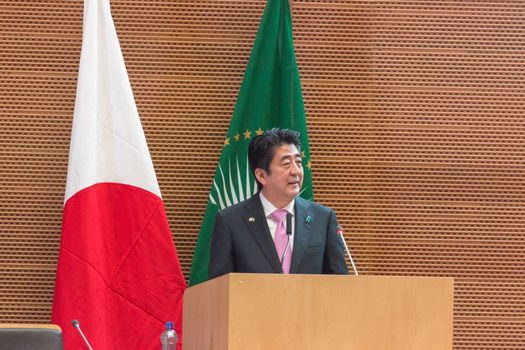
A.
x: 107, y: 141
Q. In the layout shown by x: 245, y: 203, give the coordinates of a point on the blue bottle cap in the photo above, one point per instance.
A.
x: 169, y: 325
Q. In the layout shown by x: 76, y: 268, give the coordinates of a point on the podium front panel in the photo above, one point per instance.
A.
x: 267, y: 311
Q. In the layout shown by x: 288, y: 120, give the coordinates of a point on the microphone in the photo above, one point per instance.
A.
x: 289, y: 224
x: 76, y: 324
x: 288, y: 233
x: 340, y: 233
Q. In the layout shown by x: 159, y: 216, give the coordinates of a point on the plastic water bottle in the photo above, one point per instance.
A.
x: 169, y: 337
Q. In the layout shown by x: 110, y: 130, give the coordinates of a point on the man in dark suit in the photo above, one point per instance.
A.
x: 250, y: 236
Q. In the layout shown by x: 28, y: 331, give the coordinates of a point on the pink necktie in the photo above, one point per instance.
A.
x: 281, y: 239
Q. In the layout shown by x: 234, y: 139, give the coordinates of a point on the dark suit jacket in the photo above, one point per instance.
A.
x: 242, y: 242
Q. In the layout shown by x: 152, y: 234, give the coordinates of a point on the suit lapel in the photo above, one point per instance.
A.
x: 256, y: 221
x: 302, y: 232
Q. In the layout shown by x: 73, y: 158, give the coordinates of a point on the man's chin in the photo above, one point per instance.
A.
x: 294, y: 191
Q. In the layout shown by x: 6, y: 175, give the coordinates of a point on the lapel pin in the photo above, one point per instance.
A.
x: 251, y: 219
x: 308, y: 219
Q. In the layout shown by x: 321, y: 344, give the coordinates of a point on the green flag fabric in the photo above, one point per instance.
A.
x: 270, y: 96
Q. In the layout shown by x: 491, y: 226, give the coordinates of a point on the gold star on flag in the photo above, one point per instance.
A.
x: 309, y: 165
x: 302, y: 154
x: 237, y: 137
x: 259, y: 132
x: 247, y: 134
x: 227, y: 141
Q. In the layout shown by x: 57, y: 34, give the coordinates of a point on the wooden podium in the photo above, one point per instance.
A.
x: 313, y: 312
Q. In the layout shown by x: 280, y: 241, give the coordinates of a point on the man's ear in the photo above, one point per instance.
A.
x: 260, y: 175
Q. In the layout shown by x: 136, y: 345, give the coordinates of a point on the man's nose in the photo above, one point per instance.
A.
x: 294, y: 169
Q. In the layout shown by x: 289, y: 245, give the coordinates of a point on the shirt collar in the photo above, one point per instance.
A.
x: 269, y: 208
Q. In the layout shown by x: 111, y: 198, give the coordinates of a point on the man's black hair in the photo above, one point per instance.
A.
x: 261, y: 149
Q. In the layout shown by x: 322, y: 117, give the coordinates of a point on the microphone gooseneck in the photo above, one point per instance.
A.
x: 76, y: 324
x: 340, y: 233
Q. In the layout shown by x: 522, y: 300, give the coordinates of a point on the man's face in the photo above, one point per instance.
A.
x: 284, y: 181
